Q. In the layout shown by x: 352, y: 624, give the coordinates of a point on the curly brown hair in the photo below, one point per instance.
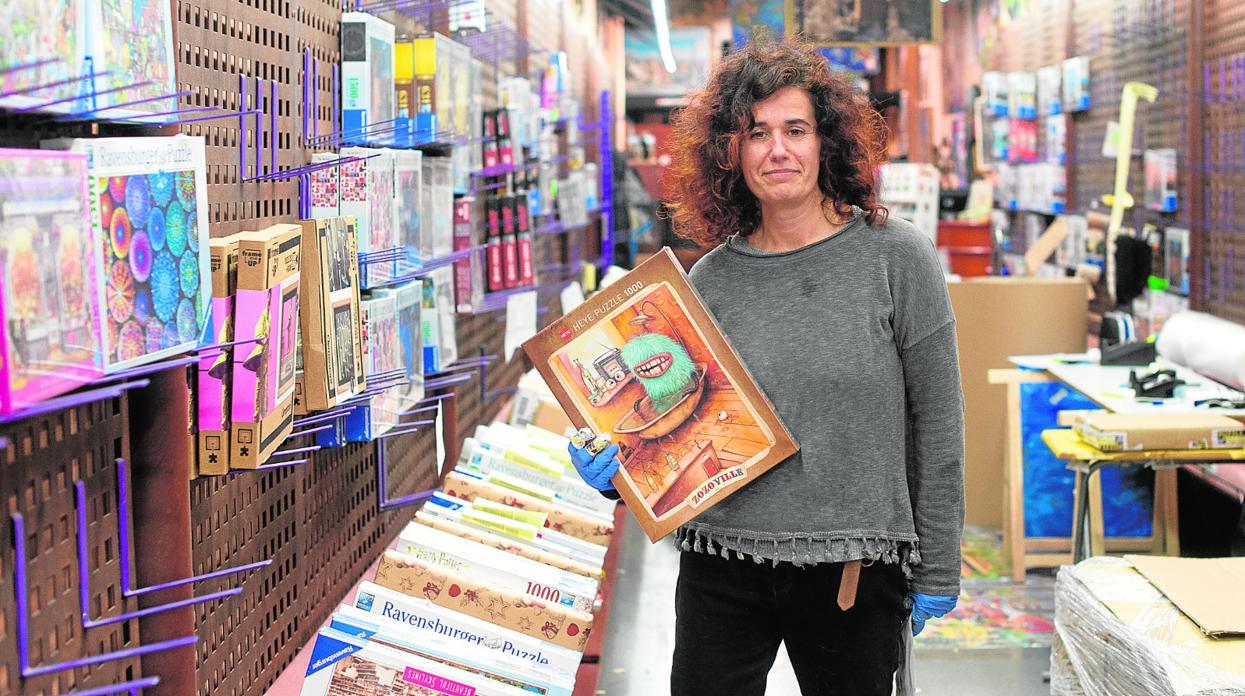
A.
x: 712, y: 201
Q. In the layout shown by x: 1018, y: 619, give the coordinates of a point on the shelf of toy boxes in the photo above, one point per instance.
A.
x: 290, y: 682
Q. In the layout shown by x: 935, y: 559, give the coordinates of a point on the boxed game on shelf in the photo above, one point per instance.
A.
x: 995, y: 84
x: 214, y: 382
x: 332, y: 344
x: 672, y: 376
x: 1022, y: 95
x: 439, y: 325
x: 128, y: 49
x: 367, y: 74
x: 348, y: 664
x: 508, y: 543
x: 1057, y: 139
x: 554, y: 623
x: 408, y: 303
x: 1076, y: 84
x: 1049, y: 90
x: 49, y: 307
x: 468, y: 271
x: 149, y: 209
x: 263, y: 371
x: 438, y: 207
x: 528, y: 526
x: 498, y: 568
x: 486, y: 459
x: 1176, y: 258
x: 466, y: 654
x: 468, y: 485
x: 1160, y: 173
x: 424, y: 617
x: 382, y: 350
x: 368, y: 195
x: 408, y: 172
x: 434, y: 91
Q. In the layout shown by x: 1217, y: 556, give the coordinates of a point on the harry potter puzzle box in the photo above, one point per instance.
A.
x: 645, y: 362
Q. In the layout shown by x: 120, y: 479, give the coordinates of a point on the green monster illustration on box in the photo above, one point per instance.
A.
x: 662, y: 366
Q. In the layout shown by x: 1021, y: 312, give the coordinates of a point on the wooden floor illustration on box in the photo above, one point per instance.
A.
x: 719, y: 435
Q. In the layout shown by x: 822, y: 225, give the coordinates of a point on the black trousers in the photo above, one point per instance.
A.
x: 731, y: 616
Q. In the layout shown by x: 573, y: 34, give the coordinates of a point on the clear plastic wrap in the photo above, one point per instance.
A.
x: 1117, y: 635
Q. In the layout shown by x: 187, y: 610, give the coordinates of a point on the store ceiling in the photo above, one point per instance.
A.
x: 637, y: 14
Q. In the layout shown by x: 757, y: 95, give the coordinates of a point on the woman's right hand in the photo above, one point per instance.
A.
x: 596, y: 470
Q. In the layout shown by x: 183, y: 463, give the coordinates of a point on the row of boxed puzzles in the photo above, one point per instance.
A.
x: 491, y: 590
x: 105, y: 252
x: 300, y: 337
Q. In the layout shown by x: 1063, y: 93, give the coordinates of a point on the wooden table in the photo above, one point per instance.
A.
x: 1087, y: 530
x: 1106, y: 386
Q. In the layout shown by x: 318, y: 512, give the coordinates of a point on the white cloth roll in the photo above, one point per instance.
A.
x: 1207, y: 344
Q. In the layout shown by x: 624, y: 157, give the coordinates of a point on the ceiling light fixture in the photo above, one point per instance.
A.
x: 661, y: 22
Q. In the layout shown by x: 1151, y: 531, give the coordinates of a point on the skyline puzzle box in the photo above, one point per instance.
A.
x: 645, y: 362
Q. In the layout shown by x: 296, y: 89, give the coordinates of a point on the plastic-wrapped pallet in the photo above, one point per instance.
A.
x: 1117, y: 635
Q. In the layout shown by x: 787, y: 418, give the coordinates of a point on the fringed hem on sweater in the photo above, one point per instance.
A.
x: 802, y: 550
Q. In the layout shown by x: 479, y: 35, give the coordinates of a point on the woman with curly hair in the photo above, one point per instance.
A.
x: 842, y: 316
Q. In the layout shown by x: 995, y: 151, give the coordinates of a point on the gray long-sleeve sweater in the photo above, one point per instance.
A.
x: 853, y: 340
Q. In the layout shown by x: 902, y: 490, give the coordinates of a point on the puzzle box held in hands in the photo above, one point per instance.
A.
x: 645, y: 362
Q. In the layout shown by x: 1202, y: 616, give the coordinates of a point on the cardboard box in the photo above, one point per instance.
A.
x: 1114, y: 432
x: 1207, y: 590
x: 498, y: 568
x: 509, y: 545
x: 426, y: 619
x: 215, y: 369
x: 263, y: 373
x: 49, y: 308
x: 550, y: 622
x: 645, y: 362
x: 332, y: 342
x: 997, y: 318
x: 464, y: 484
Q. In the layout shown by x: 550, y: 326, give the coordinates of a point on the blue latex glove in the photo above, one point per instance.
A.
x: 925, y: 607
x: 595, y: 471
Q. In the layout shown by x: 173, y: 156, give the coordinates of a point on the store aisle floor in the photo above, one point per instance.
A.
x: 640, y: 638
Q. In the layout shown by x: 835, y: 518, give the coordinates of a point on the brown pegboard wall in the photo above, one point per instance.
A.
x: 219, y: 42
x: 1219, y: 276
x: 38, y: 467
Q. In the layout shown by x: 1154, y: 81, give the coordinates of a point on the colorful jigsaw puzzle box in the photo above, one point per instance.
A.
x: 644, y: 362
x: 49, y: 308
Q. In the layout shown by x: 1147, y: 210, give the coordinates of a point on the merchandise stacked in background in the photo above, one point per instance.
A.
x: 490, y: 590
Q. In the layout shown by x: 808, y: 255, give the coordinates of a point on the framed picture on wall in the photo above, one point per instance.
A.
x: 872, y: 22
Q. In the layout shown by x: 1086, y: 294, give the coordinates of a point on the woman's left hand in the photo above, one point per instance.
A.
x: 925, y: 607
